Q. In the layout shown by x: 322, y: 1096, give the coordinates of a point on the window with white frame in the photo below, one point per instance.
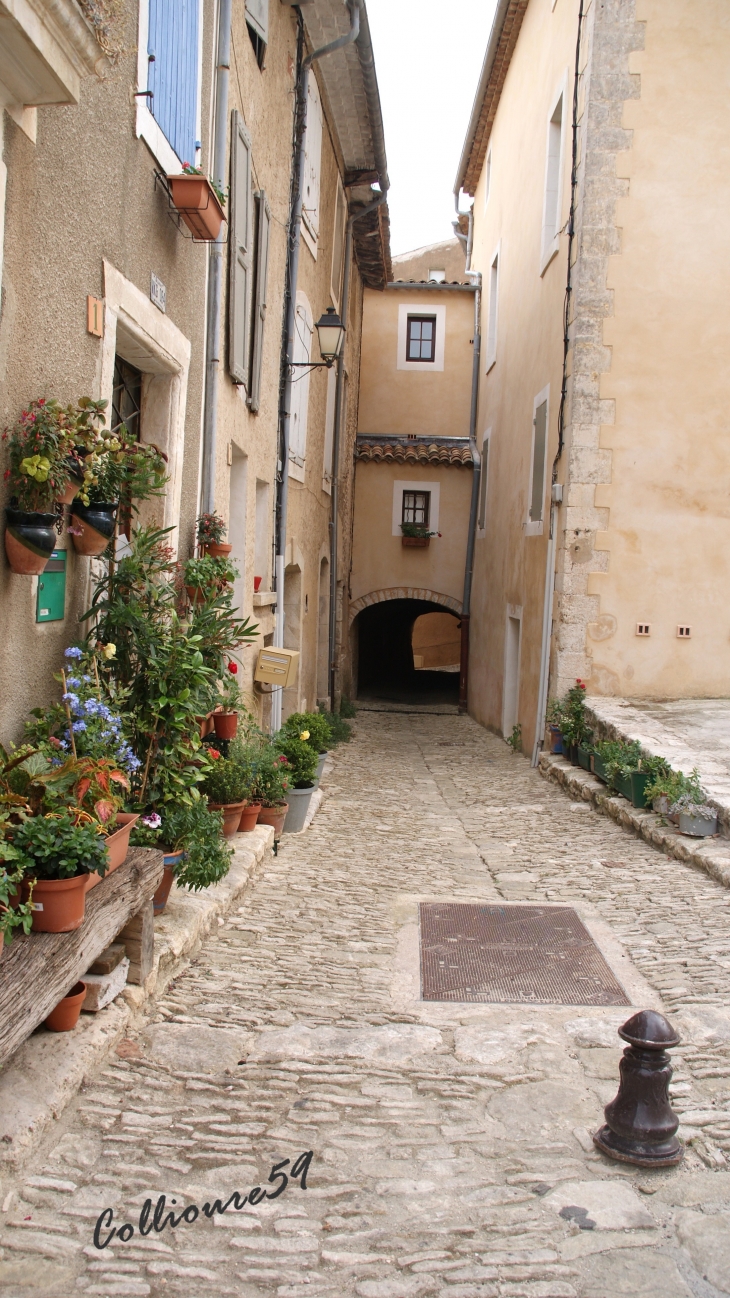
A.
x: 168, y: 68
x: 487, y: 177
x: 421, y: 344
x: 416, y: 502
x: 421, y: 335
x: 312, y: 167
x: 438, y: 276
x: 302, y: 351
x: 553, y: 185
x: 417, y: 508
x: 483, y: 483
x: 493, y: 310
x: 538, y: 470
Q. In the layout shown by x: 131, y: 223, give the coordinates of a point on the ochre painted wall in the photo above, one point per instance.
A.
x: 402, y: 402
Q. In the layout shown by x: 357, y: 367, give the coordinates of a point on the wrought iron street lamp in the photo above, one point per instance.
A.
x: 331, y: 333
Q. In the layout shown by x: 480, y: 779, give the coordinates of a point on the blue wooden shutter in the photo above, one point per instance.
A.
x: 173, y: 75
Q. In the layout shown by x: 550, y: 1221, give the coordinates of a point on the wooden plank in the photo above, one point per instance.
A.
x: 38, y: 970
x: 138, y: 937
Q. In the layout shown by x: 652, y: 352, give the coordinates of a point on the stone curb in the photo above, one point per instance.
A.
x: 45, y: 1073
x: 708, y: 855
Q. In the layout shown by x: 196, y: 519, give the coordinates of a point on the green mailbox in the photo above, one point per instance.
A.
x: 51, y: 604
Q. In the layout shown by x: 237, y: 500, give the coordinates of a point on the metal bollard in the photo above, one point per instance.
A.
x: 641, y: 1125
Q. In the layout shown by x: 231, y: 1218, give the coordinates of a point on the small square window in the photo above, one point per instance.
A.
x: 421, y: 338
x: 416, y: 507
x: 684, y: 632
x: 643, y: 628
x: 438, y: 276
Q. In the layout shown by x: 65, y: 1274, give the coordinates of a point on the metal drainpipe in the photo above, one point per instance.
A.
x: 295, y: 234
x: 476, y: 478
x: 339, y: 398
x: 215, y: 269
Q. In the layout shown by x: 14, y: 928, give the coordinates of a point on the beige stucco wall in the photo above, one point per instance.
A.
x: 448, y: 256
x: 401, y: 402
x: 666, y: 529
x: 380, y: 561
x: 509, y: 566
x: 82, y: 193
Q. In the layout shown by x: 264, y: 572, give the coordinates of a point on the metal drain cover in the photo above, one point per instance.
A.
x: 539, y: 955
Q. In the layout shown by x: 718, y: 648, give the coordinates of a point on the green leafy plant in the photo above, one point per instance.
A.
x: 515, y: 739
x: 120, y: 468
x: 89, y: 717
x: 19, y: 914
x: 312, y: 727
x: 230, y: 690
x: 573, y: 725
x: 210, y: 529
x: 271, y: 778
x: 301, y: 758
x: 416, y: 529
x: 194, y: 829
x: 340, y: 730
x: 347, y: 708
x: 224, y: 781
x: 41, y: 445
x: 619, y: 759
x: 53, y: 847
x: 209, y: 573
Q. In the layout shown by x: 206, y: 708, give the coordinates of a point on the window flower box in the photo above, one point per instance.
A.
x: 198, y: 205
x: 416, y: 542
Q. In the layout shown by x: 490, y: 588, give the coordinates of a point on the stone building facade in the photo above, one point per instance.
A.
x: 97, y: 112
x: 605, y: 534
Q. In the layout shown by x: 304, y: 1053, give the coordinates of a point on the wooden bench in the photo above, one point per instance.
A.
x: 37, y: 971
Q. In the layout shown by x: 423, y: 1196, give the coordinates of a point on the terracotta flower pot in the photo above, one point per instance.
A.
x: 249, y: 817
x: 225, y: 724
x: 159, y: 901
x: 69, y: 494
x: 197, y: 203
x: 117, y: 846
x: 66, y: 1014
x: 274, y: 816
x: 96, y: 524
x: 231, y: 815
x: 58, y: 904
x: 216, y: 549
x: 30, y: 539
x: 195, y: 594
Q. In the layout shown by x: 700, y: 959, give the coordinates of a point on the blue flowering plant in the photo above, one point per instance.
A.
x: 89, y: 719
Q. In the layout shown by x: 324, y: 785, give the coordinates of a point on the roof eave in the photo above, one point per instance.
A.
x: 515, y: 9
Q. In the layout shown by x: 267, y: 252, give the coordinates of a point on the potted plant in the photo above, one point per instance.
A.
x: 225, y: 787
x: 271, y: 788
x: 199, y: 201
x: 573, y: 726
x: 117, y: 472
x: 58, y: 854
x: 225, y: 720
x: 39, y: 444
x: 209, y: 532
x: 190, y: 838
x: 553, y: 719
x: 14, y: 913
x: 416, y: 535
x: 315, y: 730
x: 614, y: 761
x: 207, y: 577
x: 665, y: 788
x: 301, y: 768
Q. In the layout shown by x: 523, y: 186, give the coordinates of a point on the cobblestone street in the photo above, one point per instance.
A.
x: 451, y: 1142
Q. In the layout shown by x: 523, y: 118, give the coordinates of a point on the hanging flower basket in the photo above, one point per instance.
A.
x: 198, y: 205
x: 30, y: 539
x: 92, y: 527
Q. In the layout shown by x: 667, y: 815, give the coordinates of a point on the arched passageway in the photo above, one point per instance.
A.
x: 386, y: 650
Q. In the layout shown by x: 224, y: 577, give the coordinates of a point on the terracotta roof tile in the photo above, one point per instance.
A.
x: 424, y: 450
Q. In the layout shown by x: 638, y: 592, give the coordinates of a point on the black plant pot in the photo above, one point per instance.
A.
x: 96, y: 523
x: 30, y: 538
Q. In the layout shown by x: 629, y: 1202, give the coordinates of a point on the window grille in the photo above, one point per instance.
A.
x: 416, y: 507
x: 421, y: 338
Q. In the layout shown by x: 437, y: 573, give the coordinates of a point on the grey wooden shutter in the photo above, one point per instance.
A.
x: 259, y: 304
x: 241, y: 252
x: 257, y: 16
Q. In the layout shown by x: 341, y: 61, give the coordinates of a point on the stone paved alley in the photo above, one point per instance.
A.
x: 451, y: 1142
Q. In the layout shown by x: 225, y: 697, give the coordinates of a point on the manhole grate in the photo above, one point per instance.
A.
x: 526, y: 954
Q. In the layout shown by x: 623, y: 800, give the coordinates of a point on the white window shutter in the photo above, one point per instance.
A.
x: 241, y: 252
x: 259, y: 306
x: 257, y: 16
x: 300, y: 386
x: 329, y: 429
x: 312, y: 160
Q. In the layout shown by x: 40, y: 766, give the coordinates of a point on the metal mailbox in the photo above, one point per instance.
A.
x: 51, y: 599
x: 277, y: 666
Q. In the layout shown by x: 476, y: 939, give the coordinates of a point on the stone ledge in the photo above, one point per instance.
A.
x: 45, y: 1073
x: 711, y: 855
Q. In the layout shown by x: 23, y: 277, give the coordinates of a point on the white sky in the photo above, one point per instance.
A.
x: 428, y: 56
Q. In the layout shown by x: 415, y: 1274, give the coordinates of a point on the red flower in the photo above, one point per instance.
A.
x: 213, y: 754
x: 233, y: 667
